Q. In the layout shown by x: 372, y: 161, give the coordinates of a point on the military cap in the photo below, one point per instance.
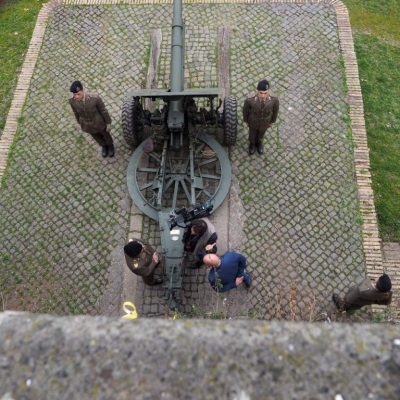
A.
x: 263, y: 85
x: 384, y: 284
x: 133, y: 249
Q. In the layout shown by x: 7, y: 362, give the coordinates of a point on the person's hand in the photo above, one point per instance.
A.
x: 108, y: 128
x: 156, y: 258
x: 239, y: 280
x: 209, y: 247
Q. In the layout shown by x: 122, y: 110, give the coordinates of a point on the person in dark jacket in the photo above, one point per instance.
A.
x: 142, y: 260
x: 259, y: 113
x: 93, y: 117
x: 199, y: 239
x: 365, y: 294
x: 227, y: 272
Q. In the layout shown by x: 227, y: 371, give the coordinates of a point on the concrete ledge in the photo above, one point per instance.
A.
x: 101, y: 358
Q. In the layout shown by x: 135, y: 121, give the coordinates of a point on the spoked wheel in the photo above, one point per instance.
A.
x: 166, y: 179
x: 132, y: 126
x: 230, y: 120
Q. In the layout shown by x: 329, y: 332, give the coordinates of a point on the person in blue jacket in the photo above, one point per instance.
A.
x: 227, y: 272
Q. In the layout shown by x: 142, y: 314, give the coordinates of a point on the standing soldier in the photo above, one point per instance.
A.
x: 93, y: 117
x: 259, y: 113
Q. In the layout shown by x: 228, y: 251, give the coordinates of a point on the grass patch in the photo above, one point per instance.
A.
x: 380, y: 82
x: 17, y: 21
x: 379, y: 18
x: 376, y: 29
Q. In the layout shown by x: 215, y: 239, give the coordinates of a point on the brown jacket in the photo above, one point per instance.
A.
x: 260, y: 115
x: 365, y: 294
x: 91, y: 113
x: 144, y: 265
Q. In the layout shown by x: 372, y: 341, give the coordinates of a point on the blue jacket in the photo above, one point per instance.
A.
x: 223, y: 277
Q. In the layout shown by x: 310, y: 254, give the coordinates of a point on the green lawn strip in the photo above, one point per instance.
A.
x: 378, y: 17
x: 17, y: 21
x: 380, y: 82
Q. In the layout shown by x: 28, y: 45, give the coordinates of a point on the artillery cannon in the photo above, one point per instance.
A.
x: 178, y: 162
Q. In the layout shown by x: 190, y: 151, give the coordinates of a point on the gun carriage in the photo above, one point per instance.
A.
x: 179, y: 171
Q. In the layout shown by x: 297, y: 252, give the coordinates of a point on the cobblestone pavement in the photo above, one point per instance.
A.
x: 65, y: 210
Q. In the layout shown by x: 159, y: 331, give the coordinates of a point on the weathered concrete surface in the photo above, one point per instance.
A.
x: 100, y: 358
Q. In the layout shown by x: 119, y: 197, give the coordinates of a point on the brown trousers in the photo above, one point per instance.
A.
x: 256, y: 136
x: 102, y: 138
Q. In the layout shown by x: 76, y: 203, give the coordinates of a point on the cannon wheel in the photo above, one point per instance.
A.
x: 156, y: 181
x: 131, y: 126
x: 230, y: 120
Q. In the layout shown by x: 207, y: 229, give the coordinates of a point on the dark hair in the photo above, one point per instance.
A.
x: 76, y: 87
x: 199, y: 226
x: 133, y: 249
x: 384, y: 283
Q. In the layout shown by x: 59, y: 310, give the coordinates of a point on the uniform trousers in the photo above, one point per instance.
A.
x: 256, y: 136
x: 102, y: 138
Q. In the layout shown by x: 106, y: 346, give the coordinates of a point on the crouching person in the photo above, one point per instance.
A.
x: 227, y: 272
x: 199, y: 239
x: 142, y: 260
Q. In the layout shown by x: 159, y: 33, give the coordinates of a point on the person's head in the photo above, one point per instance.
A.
x: 198, y: 227
x: 263, y: 89
x: 77, y: 90
x: 133, y: 249
x: 384, y: 284
x: 211, y: 260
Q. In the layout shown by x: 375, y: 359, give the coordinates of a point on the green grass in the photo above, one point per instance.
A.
x: 376, y: 30
x: 380, y: 83
x: 380, y: 18
x: 17, y: 21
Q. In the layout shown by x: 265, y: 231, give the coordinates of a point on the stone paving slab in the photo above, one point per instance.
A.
x: 297, y: 204
x: 391, y: 262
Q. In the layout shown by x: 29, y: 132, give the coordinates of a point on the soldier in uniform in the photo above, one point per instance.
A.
x: 259, y: 113
x: 365, y: 294
x: 142, y: 260
x: 93, y: 117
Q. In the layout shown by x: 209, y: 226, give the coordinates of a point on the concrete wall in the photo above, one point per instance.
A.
x: 45, y: 357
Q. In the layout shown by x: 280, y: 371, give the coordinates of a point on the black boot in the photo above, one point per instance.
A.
x: 252, y: 149
x: 111, y: 151
x: 339, y: 303
x: 104, y: 151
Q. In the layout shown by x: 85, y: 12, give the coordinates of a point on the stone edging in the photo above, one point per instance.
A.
x: 371, y: 241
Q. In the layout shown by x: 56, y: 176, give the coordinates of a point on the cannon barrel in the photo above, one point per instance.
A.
x: 177, y: 48
x: 176, y: 118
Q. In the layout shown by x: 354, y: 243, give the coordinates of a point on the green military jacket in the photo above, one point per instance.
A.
x: 91, y: 113
x: 258, y: 114
x: 365, y: 294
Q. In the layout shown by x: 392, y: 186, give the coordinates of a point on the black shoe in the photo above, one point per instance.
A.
x: 104, y: 151
x: 156, y: 281
x: 260, y: 149
x: 111, y: 151
x: 339, y: 303
x: 252, y: 149
x: 195, y: 266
